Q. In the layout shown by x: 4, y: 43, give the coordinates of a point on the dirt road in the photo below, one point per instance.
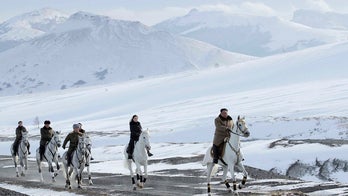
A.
x: 165, y: 182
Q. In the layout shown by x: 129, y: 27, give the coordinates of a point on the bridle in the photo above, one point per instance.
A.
x: 238, y: 128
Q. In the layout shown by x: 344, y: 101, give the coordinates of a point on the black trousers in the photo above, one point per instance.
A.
x: 42, y: 150
x: 15, y: 146
x: 69, y: 153
x: 131, y: 146
x: 215, y: 152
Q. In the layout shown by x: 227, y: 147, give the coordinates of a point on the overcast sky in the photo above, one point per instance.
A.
x: 151, y: 12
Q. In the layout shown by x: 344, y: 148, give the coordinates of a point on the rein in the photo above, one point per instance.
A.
x: 233, y: 149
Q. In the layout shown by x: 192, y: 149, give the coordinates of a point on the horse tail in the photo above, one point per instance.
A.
x: 125, y: 160
x: 207, y: 158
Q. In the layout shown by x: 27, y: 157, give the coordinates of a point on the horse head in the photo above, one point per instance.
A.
x: 88, y: 141
x: 56, y: 138
x: 82, y: 144
x: 242, y: 127
x: 25, y: 138
x: 145, y: 138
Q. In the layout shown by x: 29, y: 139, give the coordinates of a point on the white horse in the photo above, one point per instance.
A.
x: 139, y: 158
x: 22, y: 154
x: 50, y: 156
x: 232, y: 157
x: 88, y: 158
x: 78, y: 162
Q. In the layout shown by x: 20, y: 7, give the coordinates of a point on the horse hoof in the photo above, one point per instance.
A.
x: 22, y: 174
x: 79, y: 187
x: 91, y: 183
x: 17, y: 175
x: 55, y: 174
x: 134, y: 188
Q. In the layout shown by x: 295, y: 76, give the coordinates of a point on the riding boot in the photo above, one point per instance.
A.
x: 215, y: 154
x: 149, y: 153
x: 130, y: 149
x: 15, y: 147
x: 28, y: 149
x: 42, y: 151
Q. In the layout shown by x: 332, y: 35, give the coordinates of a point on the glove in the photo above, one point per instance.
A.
x: 229, y: 130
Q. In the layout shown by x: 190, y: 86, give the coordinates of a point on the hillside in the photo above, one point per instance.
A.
x: 249, y: 34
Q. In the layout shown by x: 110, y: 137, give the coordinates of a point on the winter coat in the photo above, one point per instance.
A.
x: 19, y: 131
x: 46, y: 135
x: 135, y: 129
x: 73, y: 138
x: 221, y: 129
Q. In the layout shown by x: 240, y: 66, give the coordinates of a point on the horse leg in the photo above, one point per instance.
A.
x: 245, y: 175
x: 139, y: 175
x: 231, y: 168
x: 51, y: 170
x: 15, y: 164
x: 89, y: 176
x: 129, y: 164
x: 21, y: 162
x: 145, y: 171
x: 78, y: 173
x: 39, y: 168
x: 26, y: 163
x: 209, y: 170
x: 224, y: 178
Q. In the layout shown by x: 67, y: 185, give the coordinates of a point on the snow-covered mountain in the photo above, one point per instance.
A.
x: 248, y: 34
x: 319, y: 19
x: 28, y: 26
x: 89, y: 49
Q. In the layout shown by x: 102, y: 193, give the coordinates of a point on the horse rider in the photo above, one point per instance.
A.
x: 73, y: 138
x: 83, y: 131
x: 46, y: 135
x: 223, y: 126
x: 135, y: 129
x: 19, y: 130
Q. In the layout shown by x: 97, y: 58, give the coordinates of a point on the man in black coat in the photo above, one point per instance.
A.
x: 18, y: 139
x: 46, y: 136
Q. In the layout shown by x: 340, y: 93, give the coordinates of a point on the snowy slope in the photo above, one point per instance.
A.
x: 248, y: 34
x: 306, y: 83
x: 28, y: 26
x: 89, y: 49
x: 324, y: 20
x: 299, y: 95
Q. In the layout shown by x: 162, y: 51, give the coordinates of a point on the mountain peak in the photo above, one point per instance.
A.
x: 31, y: 24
